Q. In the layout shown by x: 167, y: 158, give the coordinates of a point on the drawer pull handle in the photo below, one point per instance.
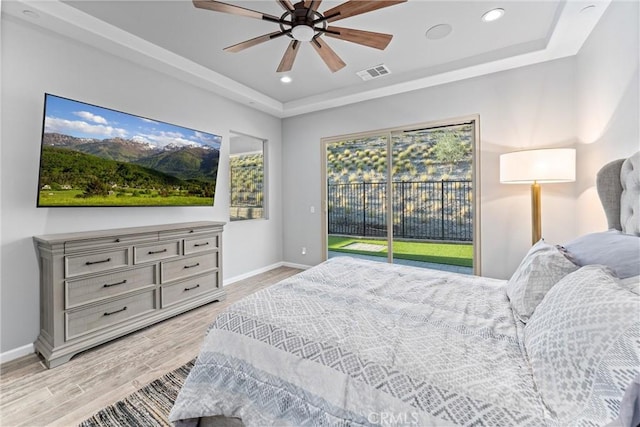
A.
x: 108, y: 285
x: 193, y: 287
x: 191, y: 231
x: 201, y: 244
x: 97, y: 262
x: 114, y: 312
x: 157, y: 252
x: 117, y: 241
x: 192, y: 265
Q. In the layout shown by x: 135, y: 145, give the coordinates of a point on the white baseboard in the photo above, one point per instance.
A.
x: 16, y: 353
x: 293, y: 265
x: 243, y: 276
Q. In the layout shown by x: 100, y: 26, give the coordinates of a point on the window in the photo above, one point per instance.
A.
x: 247, y: 181
x: 405, y: 195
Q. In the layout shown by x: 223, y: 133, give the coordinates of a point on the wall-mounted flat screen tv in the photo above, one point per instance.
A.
x: 95, y: 156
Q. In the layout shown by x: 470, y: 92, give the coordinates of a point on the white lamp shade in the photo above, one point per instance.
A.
x: 543, y: 166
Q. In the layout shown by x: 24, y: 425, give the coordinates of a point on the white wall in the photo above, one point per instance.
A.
x: 607, y: 103
x: 538, y: 106
x: 527, y: 107
x: 35, y: 61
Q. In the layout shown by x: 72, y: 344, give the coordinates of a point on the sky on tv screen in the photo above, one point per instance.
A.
x: 82, y: 120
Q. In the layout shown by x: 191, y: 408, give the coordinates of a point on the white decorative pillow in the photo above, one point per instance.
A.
x: 583, y: 344
x: 618, y: 251
x: 542, y: 267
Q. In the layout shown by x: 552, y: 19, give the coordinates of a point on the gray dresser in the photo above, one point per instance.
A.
x: 97, y: 286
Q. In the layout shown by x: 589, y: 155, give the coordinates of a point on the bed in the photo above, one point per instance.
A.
x: 354, y: 342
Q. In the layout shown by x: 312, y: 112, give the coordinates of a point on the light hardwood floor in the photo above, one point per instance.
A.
x: 31, y: 395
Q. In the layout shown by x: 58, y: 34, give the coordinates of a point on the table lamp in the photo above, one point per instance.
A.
x: 537, y: 167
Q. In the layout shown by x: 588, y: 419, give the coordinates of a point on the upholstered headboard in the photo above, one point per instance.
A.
x: 618, y: 184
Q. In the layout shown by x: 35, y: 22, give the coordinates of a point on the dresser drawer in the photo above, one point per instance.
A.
x: 156, y: 251
x: 178, y: 292
x: 87, y: 320
x: 76, y: 265
x: 187, y: 232
x: 108, y: 241
x: 82, y: 291
x: 193, y: 245
x: 187, y: 267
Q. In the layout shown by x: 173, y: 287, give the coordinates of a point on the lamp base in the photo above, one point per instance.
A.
x: 536, y: 217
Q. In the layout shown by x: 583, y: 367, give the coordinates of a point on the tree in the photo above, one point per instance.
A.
x: 95, y: 187
x: 450, y: 149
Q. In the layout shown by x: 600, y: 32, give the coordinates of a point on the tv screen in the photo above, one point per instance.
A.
x: 94, y: 156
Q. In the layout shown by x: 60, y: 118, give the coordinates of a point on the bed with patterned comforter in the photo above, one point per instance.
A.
x: 353, y: 342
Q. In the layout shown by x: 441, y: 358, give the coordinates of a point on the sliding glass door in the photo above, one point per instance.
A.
x: 422, y: 176
x: 356, y: 189
x: 432, y: 191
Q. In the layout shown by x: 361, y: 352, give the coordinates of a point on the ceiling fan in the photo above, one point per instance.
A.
x: 303, y: 23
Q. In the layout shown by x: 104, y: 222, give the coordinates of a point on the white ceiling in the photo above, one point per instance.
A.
x: 188, y: 43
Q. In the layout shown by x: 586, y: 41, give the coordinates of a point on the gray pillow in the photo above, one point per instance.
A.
x: 618, y: 251
x: 542, y: 267
x: 629, y: 407
x: 582, y: 344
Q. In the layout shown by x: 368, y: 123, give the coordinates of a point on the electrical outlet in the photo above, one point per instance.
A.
x: 304, y: 250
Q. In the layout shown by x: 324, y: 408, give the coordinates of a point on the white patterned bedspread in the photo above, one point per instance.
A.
x: 353, y: 342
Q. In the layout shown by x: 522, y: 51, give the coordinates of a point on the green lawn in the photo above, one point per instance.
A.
x: 69, y: 198
x: 442, y: 253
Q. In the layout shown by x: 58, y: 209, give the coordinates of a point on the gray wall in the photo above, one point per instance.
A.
x: 35, y: 61
x: 608, y: 104
x: 530, y: 107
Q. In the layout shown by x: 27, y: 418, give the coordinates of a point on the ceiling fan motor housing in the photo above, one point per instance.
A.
x: 302, y: 28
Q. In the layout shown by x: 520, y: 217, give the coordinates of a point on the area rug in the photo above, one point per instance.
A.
x: 149, y: 406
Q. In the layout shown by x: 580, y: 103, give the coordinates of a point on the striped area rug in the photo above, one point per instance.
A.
x: 149, y: 406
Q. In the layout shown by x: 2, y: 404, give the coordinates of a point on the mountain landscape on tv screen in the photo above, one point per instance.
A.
x: 95, y: 156
x: 119, y: 171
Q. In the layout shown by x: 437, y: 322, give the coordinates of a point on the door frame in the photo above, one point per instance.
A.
x: 475, y: 179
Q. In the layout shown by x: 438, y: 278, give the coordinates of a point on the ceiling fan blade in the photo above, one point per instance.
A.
x: 312, y: 4
x: 327, y: 54
x: 218, y: 6
x: 286, y: 5
x: 356, y: 7
x: 289, y: 56
x: 254, y: 41
x: 366, y: 38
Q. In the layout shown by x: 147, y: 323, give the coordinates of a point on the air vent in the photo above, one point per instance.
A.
x: 374, y: 72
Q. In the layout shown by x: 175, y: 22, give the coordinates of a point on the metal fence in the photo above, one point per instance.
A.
x: 246, y: 186
x: 428, y: 210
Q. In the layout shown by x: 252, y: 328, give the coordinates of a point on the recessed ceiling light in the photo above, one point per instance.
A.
x: 439, y: 31
x: 286, y: 79
x: 493, y: 15
x: 30, y: 13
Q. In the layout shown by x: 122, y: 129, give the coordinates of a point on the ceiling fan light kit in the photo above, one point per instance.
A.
x: 303, y: 33
x: 303, y: 23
